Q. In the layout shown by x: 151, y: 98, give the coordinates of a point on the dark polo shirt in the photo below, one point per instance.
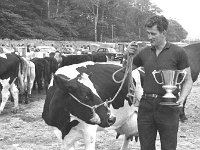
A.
x: 171, y: 57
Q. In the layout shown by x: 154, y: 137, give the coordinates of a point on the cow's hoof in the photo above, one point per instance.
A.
x: 21, y: 101
x: 26, y: 101
x: 29, y: 95
x: 15, y: 110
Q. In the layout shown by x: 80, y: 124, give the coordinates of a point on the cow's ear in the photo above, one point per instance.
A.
x: 63, y: 82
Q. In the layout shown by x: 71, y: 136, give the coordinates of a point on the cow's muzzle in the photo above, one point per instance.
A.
x: 95, y: 119
x: 111, y: 120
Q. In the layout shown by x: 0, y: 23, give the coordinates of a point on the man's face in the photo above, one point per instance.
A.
x: 155, y: 37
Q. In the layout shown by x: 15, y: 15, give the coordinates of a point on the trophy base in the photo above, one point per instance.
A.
x: 169, y: 103
x: 169, y: 95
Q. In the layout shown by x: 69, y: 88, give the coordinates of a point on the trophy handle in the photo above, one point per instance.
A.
x: 184, y: 74
x: 154, y: 75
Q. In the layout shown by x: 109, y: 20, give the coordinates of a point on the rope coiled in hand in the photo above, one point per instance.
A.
x: 128, y: 73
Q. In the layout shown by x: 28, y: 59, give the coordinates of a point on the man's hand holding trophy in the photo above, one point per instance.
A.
x: 169, y: 83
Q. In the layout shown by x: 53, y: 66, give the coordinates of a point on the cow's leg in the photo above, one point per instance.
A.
x: 28, y: 91
x: 182, y: 115
x: 34, y: 85
x: 26, y: 97
x: 70, y: 139
x: 26, y: 88
x: 31, y: 82
x: 125, y: 143
x: 46, y: 85
x: 39, y: 84
x: 89, y: 136
x: 5, y: 93
x: 15, y: 93
x: 31, y: 78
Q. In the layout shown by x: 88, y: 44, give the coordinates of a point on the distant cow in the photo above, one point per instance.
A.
x: 28, y: 77
x: 99, y: 57
x: 52, y: 63
x: 193, y: 53
x: 75, y: 59
x: 42, y: 71
x: 79, y: 92
x: 10, y: 70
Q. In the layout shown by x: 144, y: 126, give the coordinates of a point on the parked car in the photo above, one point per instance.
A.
x: 83, y: 51
x: 68, y: 50
x: 45, y: 49
x: 111, y: 53
x: 4, y: 49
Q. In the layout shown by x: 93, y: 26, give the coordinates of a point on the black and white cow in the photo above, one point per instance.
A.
x: 10, y: 70
x: 76, y: 89
x: 42, y: 71
x: 52, y: 63
x: 75, y: 59
x: 193, y: 53
x: 27, y: 78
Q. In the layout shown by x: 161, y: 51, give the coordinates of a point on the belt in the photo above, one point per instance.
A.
x: 151, y: 95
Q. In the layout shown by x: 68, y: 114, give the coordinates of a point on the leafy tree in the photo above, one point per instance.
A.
x: 95, y: 20
x: 175, y: 31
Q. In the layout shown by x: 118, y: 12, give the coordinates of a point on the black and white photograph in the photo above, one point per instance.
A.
x: 99, y: 75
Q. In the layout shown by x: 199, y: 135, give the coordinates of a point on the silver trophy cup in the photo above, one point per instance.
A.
x: 169, y: 82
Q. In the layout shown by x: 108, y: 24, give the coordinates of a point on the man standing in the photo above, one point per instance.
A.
x: 153, y: 117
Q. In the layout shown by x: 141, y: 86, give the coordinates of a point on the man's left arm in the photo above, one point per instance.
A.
x: 186, y: 87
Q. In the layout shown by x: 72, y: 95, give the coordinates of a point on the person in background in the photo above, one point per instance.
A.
x: 28, y: 48
x: 153, y: 117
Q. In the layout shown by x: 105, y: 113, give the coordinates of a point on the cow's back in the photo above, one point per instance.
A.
x: 75, y: 59
x: 9, y: 64
x: 101, y: 76
x: 193, y: 53
x: 53, y: 64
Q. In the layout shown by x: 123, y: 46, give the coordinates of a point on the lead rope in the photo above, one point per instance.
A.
x: 131, y: 86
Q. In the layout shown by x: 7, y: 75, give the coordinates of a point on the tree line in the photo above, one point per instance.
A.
x: 89, y: 20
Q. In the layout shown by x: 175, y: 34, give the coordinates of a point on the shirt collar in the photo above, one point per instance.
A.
x: 167, y: 46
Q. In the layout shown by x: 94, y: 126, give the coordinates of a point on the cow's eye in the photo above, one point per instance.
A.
x: 87, y: 97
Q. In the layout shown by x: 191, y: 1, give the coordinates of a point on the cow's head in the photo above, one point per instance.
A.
x: 58, y: 57
x: 82, y: 100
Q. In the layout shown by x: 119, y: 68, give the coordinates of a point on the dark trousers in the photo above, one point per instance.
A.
x: 153, y: 118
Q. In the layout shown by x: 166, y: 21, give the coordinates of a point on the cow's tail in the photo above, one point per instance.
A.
x: 21, y: 63
x: 20, y: 75
x: 47, y: 75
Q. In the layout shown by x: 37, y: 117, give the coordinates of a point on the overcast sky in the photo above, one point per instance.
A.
x: 186, y: 12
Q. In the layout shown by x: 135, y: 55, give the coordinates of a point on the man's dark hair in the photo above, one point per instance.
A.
x: 160, y: 21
